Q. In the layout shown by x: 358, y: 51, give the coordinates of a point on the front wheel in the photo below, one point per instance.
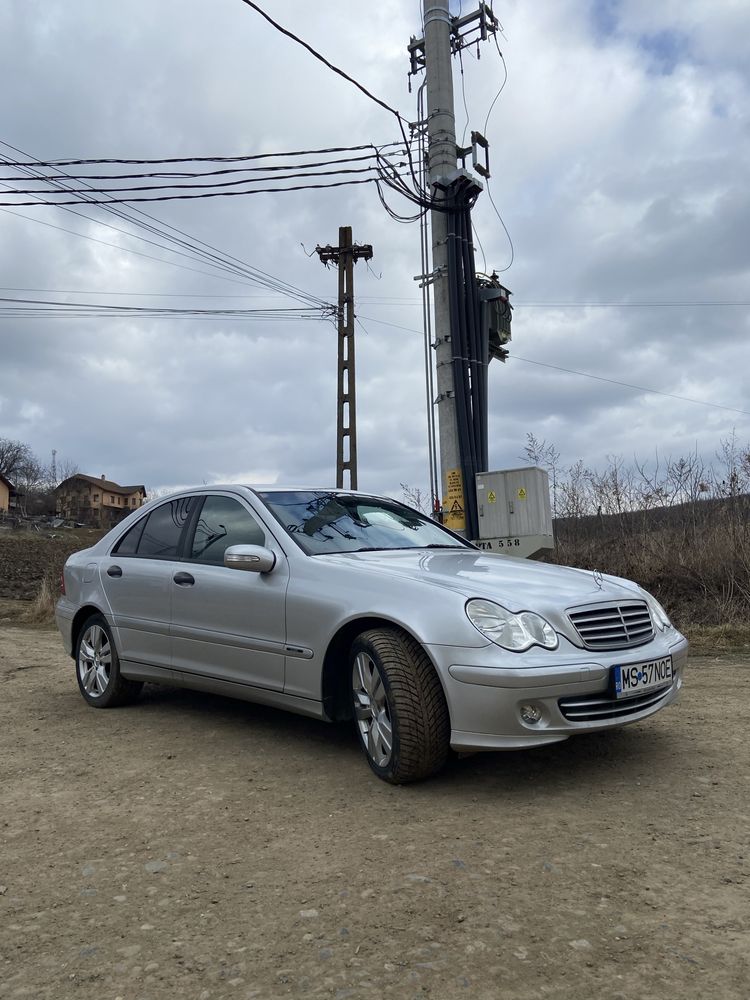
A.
x: 399, y: 706
x: 98, y: 667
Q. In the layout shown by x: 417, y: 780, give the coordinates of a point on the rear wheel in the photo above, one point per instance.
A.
x: 98, y: 667
x: 399, y: 706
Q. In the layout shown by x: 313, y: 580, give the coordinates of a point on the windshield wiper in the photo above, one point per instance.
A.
x: 441, y: 545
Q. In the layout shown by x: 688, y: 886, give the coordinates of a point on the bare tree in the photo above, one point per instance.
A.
x: 547, y: 457
x: 29, y: 480
x: 414, y: 496
x: 66, y: 468
x: 14, y: 456
x: 32, y: 479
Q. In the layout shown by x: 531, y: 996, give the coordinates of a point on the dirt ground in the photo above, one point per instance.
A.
x: 194, y: 847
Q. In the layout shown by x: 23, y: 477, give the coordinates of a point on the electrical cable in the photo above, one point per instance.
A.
x: 161, y: 295
x: 313, y: 52
x: 197, y: 249
x: 198, y: 159
x: 497, y: 95
x: 463, y: 91
x: 282, y: 172
x: 115, y: 246
x: 190, y: 197
x: 500, y: 270
x: 335, y: 69
x: 424, y: 247
x: 629, y: 385
x: 124, y: 232
x: 125, y: 216
x: 598, y: 378
x: 213, y: 184
x: 489, y: 192
x: 35, y: 308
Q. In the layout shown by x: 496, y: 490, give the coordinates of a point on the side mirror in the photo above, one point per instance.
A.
x: 253, y: 558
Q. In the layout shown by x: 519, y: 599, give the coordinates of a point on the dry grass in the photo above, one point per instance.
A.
x: 41, y: 610
x: 713, y: 640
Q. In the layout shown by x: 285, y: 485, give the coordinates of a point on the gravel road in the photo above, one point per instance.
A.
x: 193, y: 847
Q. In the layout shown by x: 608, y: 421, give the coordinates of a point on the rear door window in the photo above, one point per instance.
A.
x: 163, y: 528
x: 128, y: 544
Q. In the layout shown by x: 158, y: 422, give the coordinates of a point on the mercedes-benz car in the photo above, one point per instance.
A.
x: 341, y: 605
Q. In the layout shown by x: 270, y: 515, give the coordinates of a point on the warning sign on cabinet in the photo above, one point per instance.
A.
x: 522, y: 493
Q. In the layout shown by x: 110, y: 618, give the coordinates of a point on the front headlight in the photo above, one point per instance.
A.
x: 658, y: 614
x: 514, y: 632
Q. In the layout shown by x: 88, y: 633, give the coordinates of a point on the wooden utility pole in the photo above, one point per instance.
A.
x: 345, y: 255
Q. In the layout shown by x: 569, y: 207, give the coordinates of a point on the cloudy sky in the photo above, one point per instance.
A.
x: 620, y: 151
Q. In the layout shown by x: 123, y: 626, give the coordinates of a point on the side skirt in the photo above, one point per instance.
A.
x: 246, y: 692
x: 229, y: 689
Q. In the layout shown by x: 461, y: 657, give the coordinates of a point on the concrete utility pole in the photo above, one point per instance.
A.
x: 460, y: 353
x: 345, y: 255
x: 442, y: 163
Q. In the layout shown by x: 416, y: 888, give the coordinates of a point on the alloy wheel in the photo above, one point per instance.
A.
x: 94, y: 661
x: 371, y: 709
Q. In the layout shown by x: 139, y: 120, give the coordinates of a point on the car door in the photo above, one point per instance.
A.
x: 137, y: 580
x: 229, y: 624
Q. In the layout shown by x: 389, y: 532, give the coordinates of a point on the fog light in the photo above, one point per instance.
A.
x: 531, y: 714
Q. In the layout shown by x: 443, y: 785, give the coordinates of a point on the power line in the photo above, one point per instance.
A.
x: 489, y: 192
x: 284, y: 171
x: 350, y: 79
x: 115, y: 246
x: 121, y: 189
x: 190, y: 197
x: 685, y: 304
x: 628, y: 305
x: 36, y: 308
x: 628, y: 385
x: 598, y: 378
x: 194, y: 253
x: 197, y: 250
x: 497, y: 95
x: 199, y: 159
x: 313, y: 52
x: 164, y: 295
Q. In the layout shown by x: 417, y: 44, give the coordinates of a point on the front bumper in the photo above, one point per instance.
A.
x: 486, y: 687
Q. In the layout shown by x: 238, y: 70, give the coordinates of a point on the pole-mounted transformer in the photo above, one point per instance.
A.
x: 496, y: 315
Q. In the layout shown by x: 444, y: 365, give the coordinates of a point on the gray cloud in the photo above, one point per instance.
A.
x: 618, y: 184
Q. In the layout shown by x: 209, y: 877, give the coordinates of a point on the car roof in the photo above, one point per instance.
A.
x: 307, y: 489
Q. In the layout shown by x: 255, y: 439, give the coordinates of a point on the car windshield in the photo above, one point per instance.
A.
x: 323, y: 522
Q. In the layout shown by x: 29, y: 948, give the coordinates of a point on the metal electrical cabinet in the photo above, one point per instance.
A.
x: 515, y: 516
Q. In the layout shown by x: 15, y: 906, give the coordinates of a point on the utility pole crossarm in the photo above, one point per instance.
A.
x: 467, y: 30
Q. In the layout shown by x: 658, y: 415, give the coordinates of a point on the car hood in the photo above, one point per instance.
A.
x: 518, y: 584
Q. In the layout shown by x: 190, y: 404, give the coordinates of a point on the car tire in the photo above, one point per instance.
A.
x: 98, y: 667
x: 399, y: 706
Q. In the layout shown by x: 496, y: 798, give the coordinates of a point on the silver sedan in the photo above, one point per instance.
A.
x: 348, y: 606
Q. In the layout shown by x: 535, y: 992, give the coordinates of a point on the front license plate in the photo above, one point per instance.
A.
x: 636, y: 678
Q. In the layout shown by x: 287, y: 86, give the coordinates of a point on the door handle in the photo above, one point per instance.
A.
x: 114, y: 571
x: 184, y: 579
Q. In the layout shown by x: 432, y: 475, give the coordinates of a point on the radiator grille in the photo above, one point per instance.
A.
x: 615, y: 626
